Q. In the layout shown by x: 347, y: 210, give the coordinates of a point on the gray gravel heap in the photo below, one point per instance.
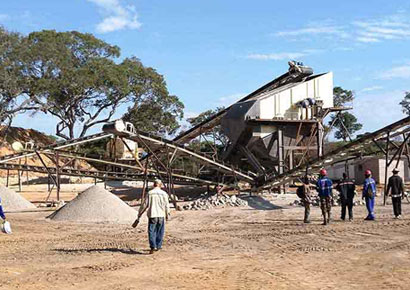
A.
x: 207, y: 202
x: 12, y: 201
x: 316, y: 202
x: 95, y: 204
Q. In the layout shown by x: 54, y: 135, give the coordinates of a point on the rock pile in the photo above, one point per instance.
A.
x: 12, y: 201
x: 207, y: 202
x: 95, y: 204
x: 316, y: 202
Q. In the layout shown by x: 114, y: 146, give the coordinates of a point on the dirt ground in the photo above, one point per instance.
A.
x: 263, y: 246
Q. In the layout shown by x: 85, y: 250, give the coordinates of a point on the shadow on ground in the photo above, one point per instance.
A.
x: 259, y: 203
x: 112, y: 250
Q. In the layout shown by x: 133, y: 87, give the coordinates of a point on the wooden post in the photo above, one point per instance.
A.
x: 48, y: 183
x: 386, y: 168
x: 280, y: 154
x: 19, y: 180
x: 8, y: 176
x: 26, y: 162
x: 320, y: 133
x: 58, y: 181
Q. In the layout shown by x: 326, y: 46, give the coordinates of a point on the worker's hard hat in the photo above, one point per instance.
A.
x: 323, y: 172
x: 367, y: 172
x: 395, y: 170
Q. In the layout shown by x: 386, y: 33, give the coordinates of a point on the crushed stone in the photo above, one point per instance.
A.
x: 12, y: 201
x: 207, y: 202
x: 98, y: 205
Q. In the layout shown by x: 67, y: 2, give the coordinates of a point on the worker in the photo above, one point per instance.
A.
x: 324, y: 188
x: 2, y: 216
x: 157, y: 205
x: 396, y: 186
x: 369, y: 194
x: 303, y: 192
x: 347, y: 190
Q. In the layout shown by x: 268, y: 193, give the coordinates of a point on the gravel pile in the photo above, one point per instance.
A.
x: 12, y: 201
x: 207, y: 202
x: 316, y: 202
x: 95, y: 204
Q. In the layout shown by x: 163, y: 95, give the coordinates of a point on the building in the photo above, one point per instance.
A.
x: 356, y: 169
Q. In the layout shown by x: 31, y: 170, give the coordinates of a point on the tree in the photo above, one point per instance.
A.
x: 216, y: 132
x: 345, y: 123
x: 405, y: 103
x: 74, y: 77
x: 154, y: 109
x: 341, y: 96
x: 12, y: 97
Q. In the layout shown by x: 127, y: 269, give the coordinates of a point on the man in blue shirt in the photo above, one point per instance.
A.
x: 2, y: 212
x: 369, y: 194
x: 324, y: 188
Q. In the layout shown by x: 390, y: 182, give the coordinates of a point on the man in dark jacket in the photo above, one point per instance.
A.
x: 397, y: 192
x: 346, y: 188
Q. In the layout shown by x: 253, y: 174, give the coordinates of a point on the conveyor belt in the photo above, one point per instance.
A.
x: 178, y: 179
x: 214, y: 120
x: 55, y: 146
x: 198, y: 157
x: 339, y: 154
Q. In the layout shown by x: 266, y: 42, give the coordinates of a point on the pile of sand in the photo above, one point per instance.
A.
x: 95, y: 204
x: 12, y: 201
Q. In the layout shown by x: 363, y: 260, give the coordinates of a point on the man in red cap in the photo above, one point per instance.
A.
x: 369, y: 194
x: 324, y: 188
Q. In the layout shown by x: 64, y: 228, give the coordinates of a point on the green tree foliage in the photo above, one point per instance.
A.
x: 341, y: 96
x: 405, y: 103
x: 154, y: 109
x: 217, y: 132
x: 12, y: 88
x: 75, y: 77
x: 345, y: 123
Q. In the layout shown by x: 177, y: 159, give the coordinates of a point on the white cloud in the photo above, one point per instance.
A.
x: 229, y: 100
x: 371, y: 89
x: 276, y: 56
x: 4, y: 17
x: 402, y: 72
x: 323, y: 29
x: 370, y: 109
x: 283, y: 55
x: 391, y: 27
x: 371, y: 30
x: 367, y: 39
x: 116, y: 16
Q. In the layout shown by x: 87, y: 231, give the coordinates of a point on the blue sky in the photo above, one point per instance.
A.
x: 213, y: 52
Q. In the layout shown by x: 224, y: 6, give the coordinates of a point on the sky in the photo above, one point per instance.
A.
x: 212, y: 52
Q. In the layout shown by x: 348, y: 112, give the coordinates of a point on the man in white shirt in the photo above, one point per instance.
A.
x: 157, y: 205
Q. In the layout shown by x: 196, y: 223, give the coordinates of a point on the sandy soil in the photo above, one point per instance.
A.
x: 263, y: 246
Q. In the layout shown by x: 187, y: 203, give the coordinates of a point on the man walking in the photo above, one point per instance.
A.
x: 396, y: 186
x: 346, y: 188
x: 157, y: 205
x: 303, y: 192
x: 324, y: 188
x: 369, y: 194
